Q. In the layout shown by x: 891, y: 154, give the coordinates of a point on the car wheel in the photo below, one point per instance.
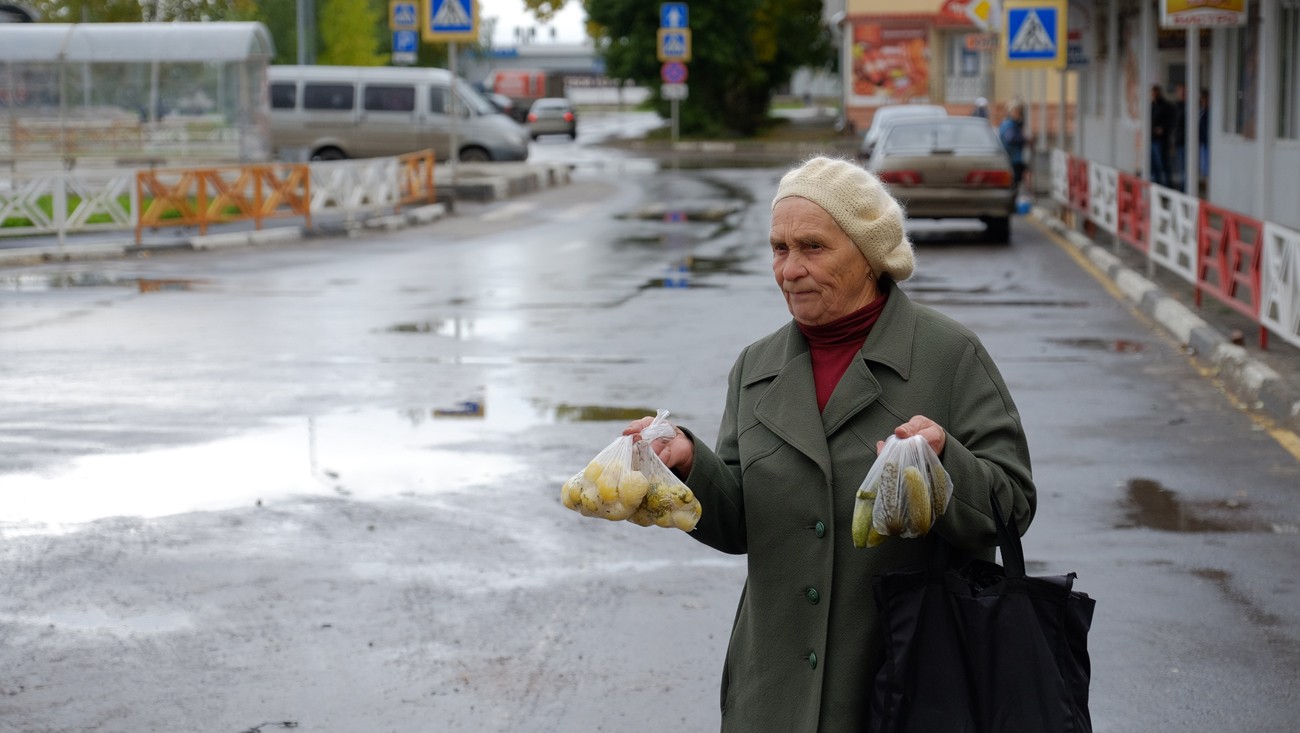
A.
x: 999, y: 229
x: 474, y: 155
x: 328, y: 154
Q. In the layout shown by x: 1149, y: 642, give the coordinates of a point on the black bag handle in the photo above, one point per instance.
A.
x: 1013, y: 553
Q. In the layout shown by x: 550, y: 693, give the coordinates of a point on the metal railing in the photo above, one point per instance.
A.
x: 1250, y: 266
x: 62, y: 203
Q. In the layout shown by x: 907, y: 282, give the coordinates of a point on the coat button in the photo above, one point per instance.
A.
x: 812, y: 595
x: 812, y: 660
x: 820, y: 529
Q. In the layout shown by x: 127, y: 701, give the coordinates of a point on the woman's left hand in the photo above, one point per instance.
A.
x: 923, y: 426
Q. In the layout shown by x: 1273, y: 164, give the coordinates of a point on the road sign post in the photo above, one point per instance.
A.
x: 450, y: 21
x: 406, y: 46
x: 673, y: 48
x: 1034, y: 34
x: 403, y: 15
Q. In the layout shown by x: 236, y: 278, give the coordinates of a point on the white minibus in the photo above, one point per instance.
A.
x: 337, y: 112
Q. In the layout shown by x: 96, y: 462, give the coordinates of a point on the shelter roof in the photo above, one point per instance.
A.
x: 128, y: 42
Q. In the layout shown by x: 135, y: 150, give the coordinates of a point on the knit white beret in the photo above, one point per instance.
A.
x: 859, y: 203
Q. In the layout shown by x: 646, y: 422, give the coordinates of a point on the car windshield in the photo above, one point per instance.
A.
x: 473, y: 100
x: 886, y: 116
x: 908, y: 136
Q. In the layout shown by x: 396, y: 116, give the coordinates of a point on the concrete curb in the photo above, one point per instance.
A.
x: 1252, y: 382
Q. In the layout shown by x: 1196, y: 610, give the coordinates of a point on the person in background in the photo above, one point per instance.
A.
x: 981, y: 108
x: 1014, y: 139
x: 806, y: 411
x: 1159, y: 137
x: 1203, y: 138
x: 1178, y: 138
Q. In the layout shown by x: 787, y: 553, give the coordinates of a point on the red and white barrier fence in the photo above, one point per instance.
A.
x: 1251, y: 266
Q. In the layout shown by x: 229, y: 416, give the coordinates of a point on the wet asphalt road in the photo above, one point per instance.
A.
x: 318, y: 483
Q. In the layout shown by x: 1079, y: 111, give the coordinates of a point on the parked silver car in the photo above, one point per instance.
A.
x: 948, y: 167
x: 552, y: 116
x: 888, y: 114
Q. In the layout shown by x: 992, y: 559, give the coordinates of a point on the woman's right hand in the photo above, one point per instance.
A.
x: 677, y: 452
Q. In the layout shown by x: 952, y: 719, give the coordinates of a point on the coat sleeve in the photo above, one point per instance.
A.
x: 986, y: 450
x: 715, y: 478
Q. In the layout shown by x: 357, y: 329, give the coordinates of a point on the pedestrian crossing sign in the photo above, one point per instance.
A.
x: 449, y: 20
x: 1034, y: 33
x: 674, y: 44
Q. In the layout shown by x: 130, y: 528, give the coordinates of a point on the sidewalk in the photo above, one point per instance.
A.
x: 471, y: 182
x: 1266, y: 381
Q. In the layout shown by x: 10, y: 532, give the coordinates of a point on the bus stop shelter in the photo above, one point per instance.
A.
x: 134, y: 93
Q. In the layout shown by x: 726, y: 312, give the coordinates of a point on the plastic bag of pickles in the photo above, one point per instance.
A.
x: 627, y: 481
x: 903, y: 494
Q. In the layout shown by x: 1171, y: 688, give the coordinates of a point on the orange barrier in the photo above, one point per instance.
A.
x: 1078, y: 176
x: 1227, y: 263
x: 202, y: 196
x: 1133, y: 218
x: 415, y: 178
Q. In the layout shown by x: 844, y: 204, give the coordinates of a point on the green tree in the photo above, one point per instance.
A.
x: 135, y: 11
x: 741, y: 51
x: 348, y: 31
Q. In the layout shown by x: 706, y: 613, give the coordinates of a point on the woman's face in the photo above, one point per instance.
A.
x: 821, y: 272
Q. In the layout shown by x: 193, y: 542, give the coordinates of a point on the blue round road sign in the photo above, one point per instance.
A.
x: 673, y: 72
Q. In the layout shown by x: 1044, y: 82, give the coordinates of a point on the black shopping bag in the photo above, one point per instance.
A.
x: 983, y: 648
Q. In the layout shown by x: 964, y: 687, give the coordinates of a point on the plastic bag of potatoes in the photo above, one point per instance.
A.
x: 627, y: 481
x: 904, y: 493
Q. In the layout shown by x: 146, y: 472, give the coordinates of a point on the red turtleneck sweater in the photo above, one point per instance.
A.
x: 835, y: 344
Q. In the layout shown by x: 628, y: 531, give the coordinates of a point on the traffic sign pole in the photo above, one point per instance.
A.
x: 453, y: 155
x: 673, y: 48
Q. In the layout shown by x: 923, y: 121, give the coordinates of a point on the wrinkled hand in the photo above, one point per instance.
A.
x: 923, y: 426
x: 677, y: 452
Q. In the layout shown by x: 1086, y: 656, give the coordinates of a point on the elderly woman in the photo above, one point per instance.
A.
x: 807, y: 410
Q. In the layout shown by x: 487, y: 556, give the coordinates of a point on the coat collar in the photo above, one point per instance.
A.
x: 789, y: 407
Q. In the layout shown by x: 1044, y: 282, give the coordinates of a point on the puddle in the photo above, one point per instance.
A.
x: 672, y: 282
x: 461, y: 329
x: 599, y: 413
x: 1151, y: 505
x: 681, y: 274
x: 1119, y: 346
x: 370, y: 454
x: 43, y: 282
x: 154, y: 285
x: 714, y: 265
x: 712, y: 213
x: 366, y: 455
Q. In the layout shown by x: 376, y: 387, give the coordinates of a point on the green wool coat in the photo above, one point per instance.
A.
x: 781, y: 483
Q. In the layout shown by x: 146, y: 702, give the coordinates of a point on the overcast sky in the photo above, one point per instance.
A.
x: 568, y: 24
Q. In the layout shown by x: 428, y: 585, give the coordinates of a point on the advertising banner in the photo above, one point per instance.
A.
x: 891, y: 63
x: 1202, y: 13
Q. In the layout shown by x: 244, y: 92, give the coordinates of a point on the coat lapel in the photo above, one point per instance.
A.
x: 856, y: 390
x: 789, y: 407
